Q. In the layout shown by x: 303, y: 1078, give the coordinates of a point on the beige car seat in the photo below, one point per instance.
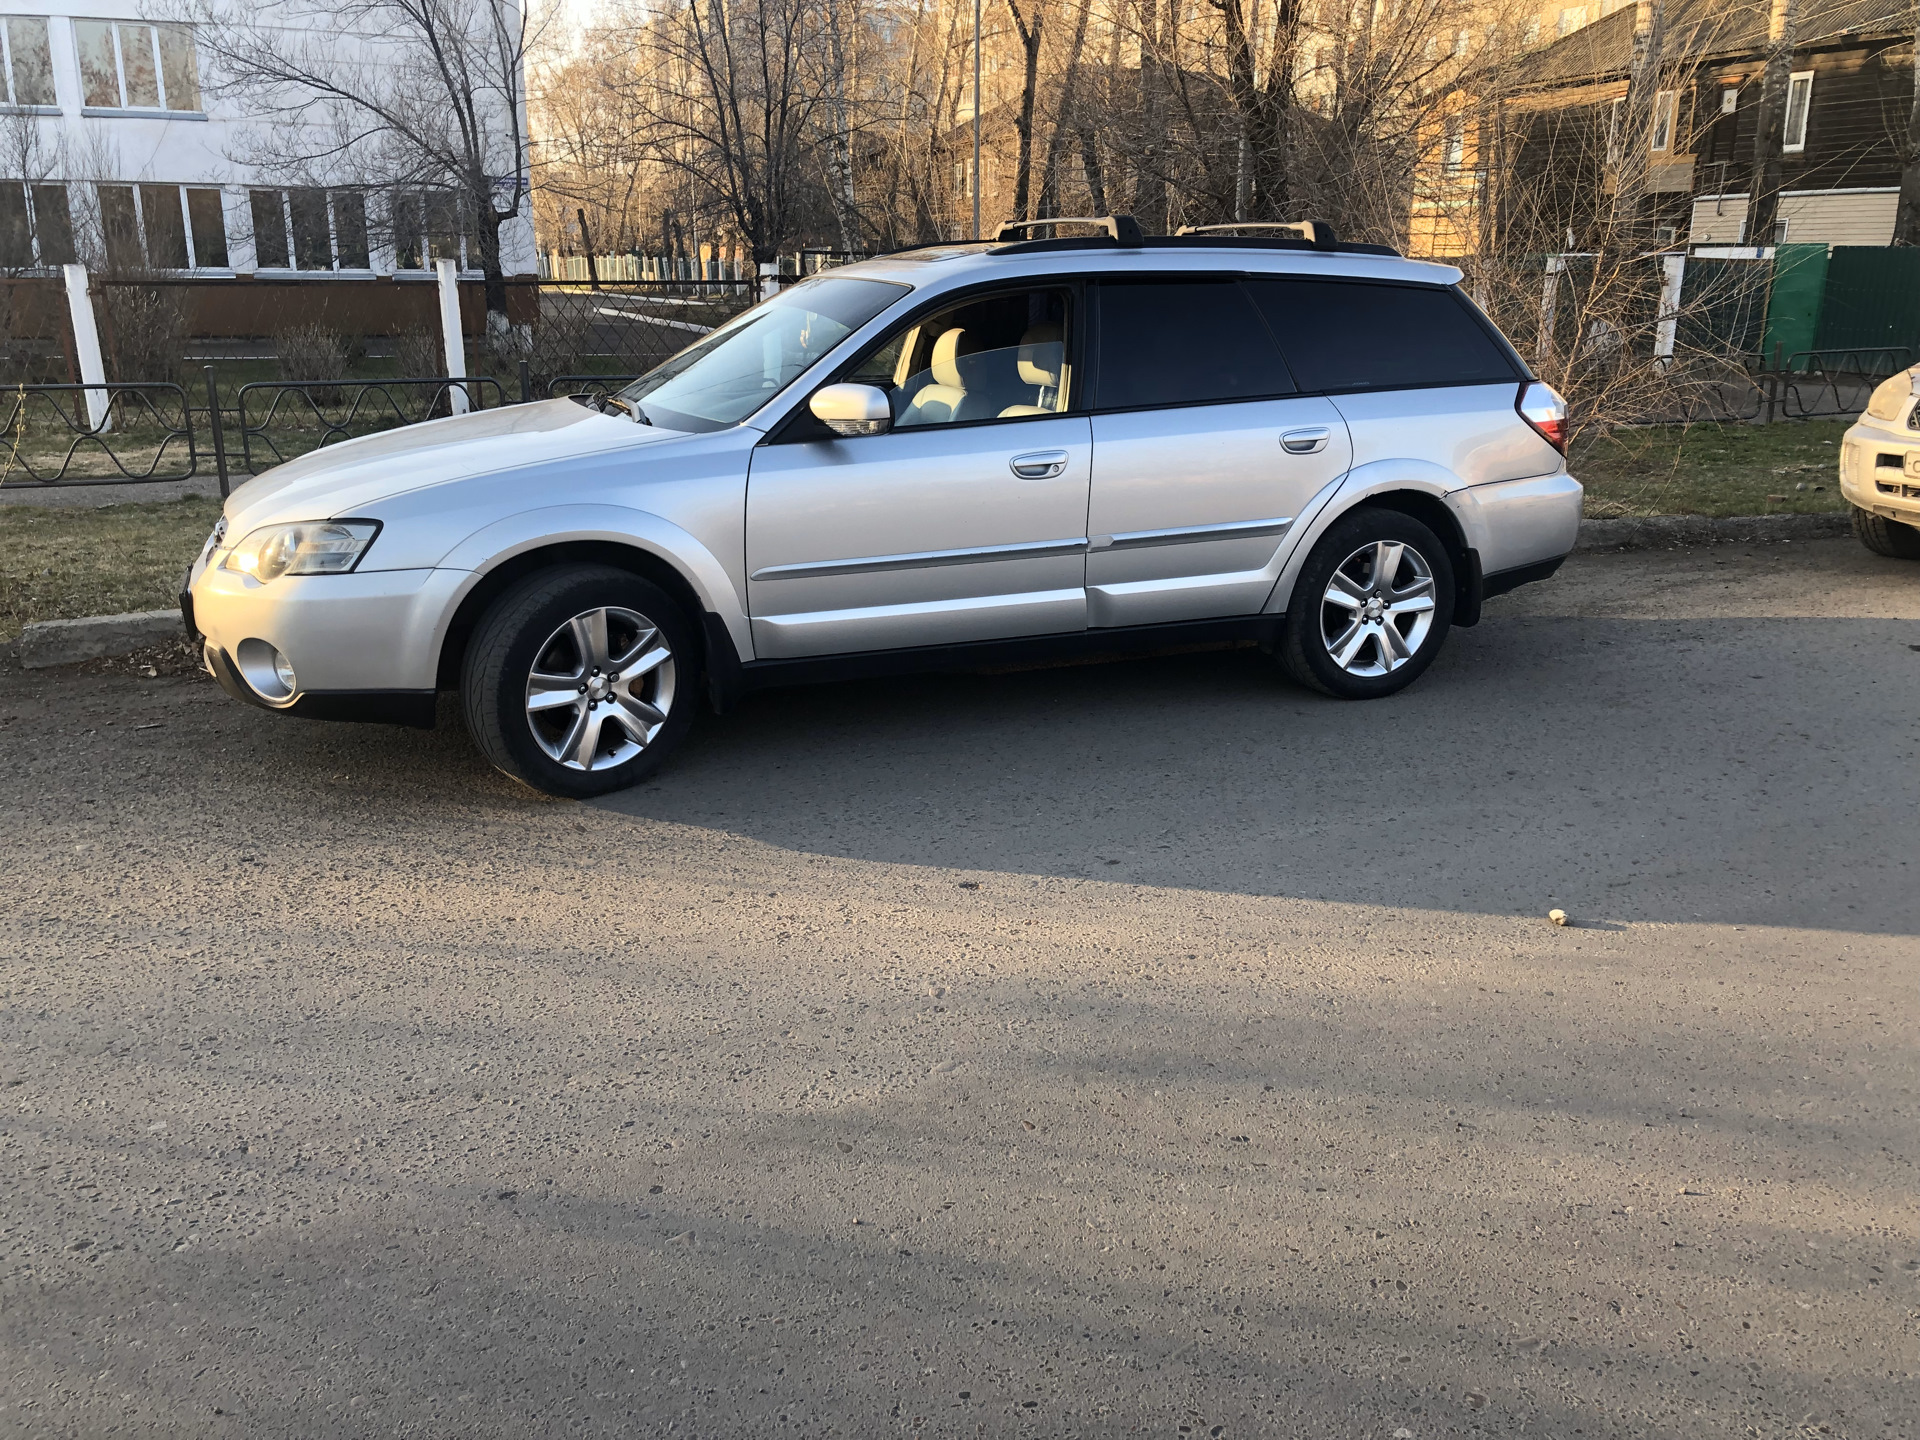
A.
x: 1039, y: 362
x: 939, y: 403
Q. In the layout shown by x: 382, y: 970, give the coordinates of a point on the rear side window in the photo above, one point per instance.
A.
x: 1357, y: 336
x: 1183, y: 343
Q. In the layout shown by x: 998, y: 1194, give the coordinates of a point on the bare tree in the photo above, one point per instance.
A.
x: 427, y: 95
x: 1763, y: 195
x: 1906, y: 225
x: 737, y: 99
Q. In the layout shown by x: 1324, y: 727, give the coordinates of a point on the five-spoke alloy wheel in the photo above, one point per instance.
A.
x: 1370, y: 607
x: 600, y: 689
x: 577, y: 681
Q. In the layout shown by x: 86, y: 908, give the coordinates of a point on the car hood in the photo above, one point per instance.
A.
x: 345, y: 479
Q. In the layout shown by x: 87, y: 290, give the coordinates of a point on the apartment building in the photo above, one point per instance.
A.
x: 113, y: 151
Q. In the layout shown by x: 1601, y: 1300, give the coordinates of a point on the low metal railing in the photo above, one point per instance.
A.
x: 330, y: 411
x: 113, y: 434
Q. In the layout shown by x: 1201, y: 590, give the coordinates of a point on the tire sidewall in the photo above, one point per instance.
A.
x: 1348, y: 534
x: 534, y: 625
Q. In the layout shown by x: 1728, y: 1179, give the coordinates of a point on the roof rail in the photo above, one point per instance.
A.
x: 1124, y: 229
x: 1318, y: 233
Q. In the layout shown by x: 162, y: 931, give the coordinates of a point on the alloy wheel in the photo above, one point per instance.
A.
x: 1378, y: 608
x: 601, y: 688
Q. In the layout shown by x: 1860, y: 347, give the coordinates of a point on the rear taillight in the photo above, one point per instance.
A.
x: 1542, y: 408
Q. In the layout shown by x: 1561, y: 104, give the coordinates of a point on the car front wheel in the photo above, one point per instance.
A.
x: 1886, y: 537
x: 1371, y: 606
x: 580, y: 680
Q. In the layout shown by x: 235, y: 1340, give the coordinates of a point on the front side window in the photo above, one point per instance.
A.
x: 162, y: 227
x: 130, y: 65
x: 724, y: 377
x: 29, y: 61
x: 1793, y: 135
x: 1183, y: 342
x: 997, y: 357
x: 1346, y: 336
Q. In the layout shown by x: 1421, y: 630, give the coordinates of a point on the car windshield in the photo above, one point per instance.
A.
x: 724, y: 377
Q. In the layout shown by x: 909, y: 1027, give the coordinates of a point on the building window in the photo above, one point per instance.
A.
x: 1660, y: 133
x: 1454, y: 147
x: 309, y: 229
x: 1572, y: 19
x: 1615, y: 109
x: 1730, y: 100
x: 1531, y: 36
x: 129, y: 65
x: 36, y: 227
x: 163, y: 227
x: 29, y: 62
x: 1793, y: 135
x: 427, y: 227
x: 1462, y: 42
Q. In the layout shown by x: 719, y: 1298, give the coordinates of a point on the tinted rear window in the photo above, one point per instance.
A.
x: 1356, y: 336
x: 1183, y: 343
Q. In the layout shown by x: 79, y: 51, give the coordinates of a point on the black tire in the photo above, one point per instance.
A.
x: 1306, y: 652
x: 1886, y: 537
x: 525, y: 625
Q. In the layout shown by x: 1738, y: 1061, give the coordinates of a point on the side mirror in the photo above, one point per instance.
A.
x: 852, y: 409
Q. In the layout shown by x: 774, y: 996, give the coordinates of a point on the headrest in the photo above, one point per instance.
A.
x: 1040, y: 355
x: 947, y: 351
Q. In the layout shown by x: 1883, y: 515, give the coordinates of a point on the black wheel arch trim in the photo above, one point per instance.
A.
x: 497, y: 580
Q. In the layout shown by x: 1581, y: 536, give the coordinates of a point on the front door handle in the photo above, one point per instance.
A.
x: 1306, y: 442
x: 1039, y: 465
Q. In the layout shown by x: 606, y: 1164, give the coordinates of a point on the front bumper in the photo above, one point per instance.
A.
x: 1880, y: 471
x: 363, y: 646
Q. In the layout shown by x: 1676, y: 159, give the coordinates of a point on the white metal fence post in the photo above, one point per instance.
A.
x: 1673, y: 273
x: 86, y: 346
x: 769, y: 279
x: 1549, y: 303
x: 452, y: 340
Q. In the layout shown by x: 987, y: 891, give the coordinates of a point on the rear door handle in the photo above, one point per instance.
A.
x: 1039, y: 465
x: 1306, y: 442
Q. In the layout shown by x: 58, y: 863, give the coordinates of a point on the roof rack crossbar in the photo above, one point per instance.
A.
x: 1317, y: 232
x: 1124, y: 229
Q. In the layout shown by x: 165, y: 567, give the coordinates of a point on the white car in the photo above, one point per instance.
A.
x: 949, y: 457
x: 1880, y: 469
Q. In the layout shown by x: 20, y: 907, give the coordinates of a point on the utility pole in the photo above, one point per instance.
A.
x: 976, y: 119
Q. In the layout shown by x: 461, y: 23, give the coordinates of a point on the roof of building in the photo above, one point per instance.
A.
x: 1702, y: 29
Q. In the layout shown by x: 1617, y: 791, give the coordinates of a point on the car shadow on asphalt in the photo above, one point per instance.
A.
x: 1623, y: 770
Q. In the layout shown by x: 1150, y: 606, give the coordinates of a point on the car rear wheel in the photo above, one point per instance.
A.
x: 1371, y: 606
x: 580, y: 680
x: 1886, y: 537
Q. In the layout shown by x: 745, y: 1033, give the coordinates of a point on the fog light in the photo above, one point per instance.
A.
x: 268, y: 671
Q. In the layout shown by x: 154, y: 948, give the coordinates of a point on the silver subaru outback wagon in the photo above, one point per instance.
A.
x: 950, y: 457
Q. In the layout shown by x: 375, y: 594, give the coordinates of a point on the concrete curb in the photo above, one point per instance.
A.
x: 1665, y: 532
x: 63, y: 642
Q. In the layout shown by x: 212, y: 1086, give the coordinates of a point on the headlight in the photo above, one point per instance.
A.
x: 308, y: 547
x: 1887, y: 399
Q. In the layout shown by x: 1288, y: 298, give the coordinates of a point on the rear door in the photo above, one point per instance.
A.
x: 1205, y: 455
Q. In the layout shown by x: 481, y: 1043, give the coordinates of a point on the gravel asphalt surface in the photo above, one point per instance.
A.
x: 1145, y: 1048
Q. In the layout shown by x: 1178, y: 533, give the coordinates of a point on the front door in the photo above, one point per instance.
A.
x: 966, y: 521
x: 1204, y: 458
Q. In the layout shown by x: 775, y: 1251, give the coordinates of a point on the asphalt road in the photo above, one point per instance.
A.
x: 1146, y: 1048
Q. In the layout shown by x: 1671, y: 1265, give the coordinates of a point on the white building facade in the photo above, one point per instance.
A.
x: 110, y: 150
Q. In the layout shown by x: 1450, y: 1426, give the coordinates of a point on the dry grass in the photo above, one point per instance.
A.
x: 1786, y: 469
x: 58, y: 564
